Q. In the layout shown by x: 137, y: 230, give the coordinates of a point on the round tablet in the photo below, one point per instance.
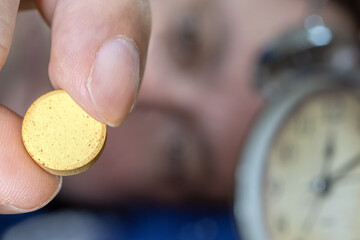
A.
x: 60, y: 136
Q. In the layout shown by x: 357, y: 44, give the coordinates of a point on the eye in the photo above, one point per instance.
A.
x: 185, y: 43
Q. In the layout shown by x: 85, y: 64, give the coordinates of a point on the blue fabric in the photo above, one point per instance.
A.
x: 153, y: 223
x: 182, y: 224
x: 7, y: 221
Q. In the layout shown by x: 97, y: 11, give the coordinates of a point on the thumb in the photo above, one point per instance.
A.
x: 98, y: 53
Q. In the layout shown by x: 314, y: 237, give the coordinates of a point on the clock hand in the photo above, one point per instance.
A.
x: 344, y: 169
x: 321, y: 185
x: 311, y: 218
x: 329, y: 151
x: 321, y: 188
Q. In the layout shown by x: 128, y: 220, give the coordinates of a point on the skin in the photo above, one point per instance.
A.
x: 194, y: 110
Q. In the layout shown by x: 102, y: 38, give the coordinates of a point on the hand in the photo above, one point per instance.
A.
x: 98, y: 54
x: 344, y: 170
x: 329, y: 151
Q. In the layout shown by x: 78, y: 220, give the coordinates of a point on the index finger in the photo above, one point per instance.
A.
x: 24, y: 186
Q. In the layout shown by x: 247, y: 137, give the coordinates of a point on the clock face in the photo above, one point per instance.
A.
x: 312, y: 176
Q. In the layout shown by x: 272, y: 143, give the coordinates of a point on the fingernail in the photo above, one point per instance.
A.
x: 10, y: 209
x: 114, y: 80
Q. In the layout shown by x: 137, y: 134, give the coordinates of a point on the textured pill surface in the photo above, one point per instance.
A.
x: 60, y: 136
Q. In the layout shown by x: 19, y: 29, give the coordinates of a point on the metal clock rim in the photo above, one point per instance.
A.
x: 249, y: 207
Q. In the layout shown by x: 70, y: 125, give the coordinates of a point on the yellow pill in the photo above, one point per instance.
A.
x: 60, y: 136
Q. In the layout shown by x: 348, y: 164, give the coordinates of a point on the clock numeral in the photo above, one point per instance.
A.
x: 286, y: 153
x: 305, y: 125
x: 334, y: 110
x: 274, y: 188
x: 282, y: 225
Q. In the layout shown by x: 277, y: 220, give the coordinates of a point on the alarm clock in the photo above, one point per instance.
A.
x: 299, y: 175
